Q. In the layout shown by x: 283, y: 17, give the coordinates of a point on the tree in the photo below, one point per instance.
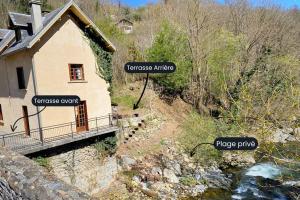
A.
x: 171, y: 45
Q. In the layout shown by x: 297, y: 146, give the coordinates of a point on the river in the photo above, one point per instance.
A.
x: 268, y: 179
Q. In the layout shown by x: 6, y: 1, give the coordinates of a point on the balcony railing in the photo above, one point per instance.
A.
x: 67, y: 131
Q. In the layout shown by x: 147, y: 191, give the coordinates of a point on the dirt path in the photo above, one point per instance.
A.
x: 172, y: 114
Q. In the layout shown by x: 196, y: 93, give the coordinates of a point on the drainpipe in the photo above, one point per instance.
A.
x: 8, y: 87
x: 37, y: 107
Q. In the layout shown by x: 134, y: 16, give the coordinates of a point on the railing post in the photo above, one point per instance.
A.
x: 97, y: 124
x: 72, y: 130
x: 110, y: 120
x: 41, y: 135
x: 3, y: 140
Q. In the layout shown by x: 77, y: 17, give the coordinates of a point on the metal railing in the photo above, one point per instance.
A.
x: 38, y: 137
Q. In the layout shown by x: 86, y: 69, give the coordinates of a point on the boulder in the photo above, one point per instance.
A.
x: 156, y: 171
x: 170, y: 176
x: 126, y: 162
x: 283, y: 135
x: 237, y: 160
x: 134, y: 121
x: 216, y: 179
x: 125, y: 124
x: 165, y: 190
x: 172, y: 164
x: 197, y: 189
x: 296, y: 133
x: 292, y: 183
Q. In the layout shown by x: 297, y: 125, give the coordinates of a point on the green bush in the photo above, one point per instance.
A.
x: 44, y: 162
x: 125, y: 100
x: 130, y: 174
x: 188, y: 181
x: 108, y: 27
x: 106, y: 146
x: 171, y: 45
x: 224, y: 61
x: 202, y: 129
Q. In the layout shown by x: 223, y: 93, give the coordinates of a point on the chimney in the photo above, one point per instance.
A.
x: 36, y: 15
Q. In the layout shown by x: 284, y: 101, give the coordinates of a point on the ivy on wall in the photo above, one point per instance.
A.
x: 103, y: 56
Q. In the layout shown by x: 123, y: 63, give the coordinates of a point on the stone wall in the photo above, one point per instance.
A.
x: 22, y: 178
x: 85, y: 169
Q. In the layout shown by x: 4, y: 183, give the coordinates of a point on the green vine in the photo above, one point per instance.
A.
x: 103, y: 57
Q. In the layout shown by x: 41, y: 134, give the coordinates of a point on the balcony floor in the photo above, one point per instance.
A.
x: 26, y: 145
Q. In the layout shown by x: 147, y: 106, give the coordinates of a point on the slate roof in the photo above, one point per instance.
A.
x: 26, y: 38
x: 48, y: 20
x: 125, y: 20
x: 19, y: 19
x: 3, y: 33
x: 5, y: 37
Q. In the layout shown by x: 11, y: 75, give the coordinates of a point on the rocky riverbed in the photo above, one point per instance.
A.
x: 174, y: 174
x: 240, y: 175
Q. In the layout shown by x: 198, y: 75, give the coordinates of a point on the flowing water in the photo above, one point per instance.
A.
x: 264, y: 180
x: 259, y: 182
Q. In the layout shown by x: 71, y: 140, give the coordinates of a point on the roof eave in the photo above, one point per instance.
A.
x: 6, y: 43
x: 90, y: 23
x: 13, y: 52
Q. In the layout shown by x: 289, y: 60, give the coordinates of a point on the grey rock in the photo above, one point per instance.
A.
x: 175, y: 166
x: 136, y: 179
x: 170, y: 176
x: 296, y: 133
x: 197, y: 189
x: 292, y: 183
x: 125, y: 123
x: 216, y: 179
x: 283, y: 135
x: 126, y: 162
x: 134, y: 121
x: 156, y: 171
x: 172, y: 164
x: 238, y: 159
x: 164, y: 190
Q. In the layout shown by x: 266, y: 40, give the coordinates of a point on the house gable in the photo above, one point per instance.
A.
x: 49, y: 20
x: 63, y: 45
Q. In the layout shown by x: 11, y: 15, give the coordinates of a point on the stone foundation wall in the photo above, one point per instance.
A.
x: 84, y: 169
x: 22, y: 178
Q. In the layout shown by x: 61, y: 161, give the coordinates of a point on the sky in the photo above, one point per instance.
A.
x: 283, y: 3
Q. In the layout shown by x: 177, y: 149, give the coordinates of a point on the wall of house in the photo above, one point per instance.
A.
x: 11, y: 97
x: 66, y: 44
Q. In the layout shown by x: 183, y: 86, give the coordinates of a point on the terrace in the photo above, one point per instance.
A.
x: 57, y: 135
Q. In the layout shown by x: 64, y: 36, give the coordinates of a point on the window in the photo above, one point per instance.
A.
x: 21, y: 78
x: 76, y: 72
x: 127, y: 28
